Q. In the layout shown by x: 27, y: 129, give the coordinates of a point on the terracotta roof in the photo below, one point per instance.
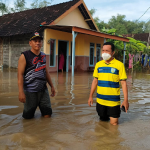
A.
x: 30, y: 20
x: 140, y: 36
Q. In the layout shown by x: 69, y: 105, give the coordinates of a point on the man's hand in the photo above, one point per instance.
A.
x: 53, y: 91
x: 21, y: 70
x: 22, y: 97
x: 126, y: 105
x: 90, y: 101
x: 93, y: 87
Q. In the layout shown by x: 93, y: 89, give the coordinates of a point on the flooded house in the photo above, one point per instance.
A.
x: 66, y: 27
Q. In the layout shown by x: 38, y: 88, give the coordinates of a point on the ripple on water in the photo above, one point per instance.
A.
x: 74, y: 125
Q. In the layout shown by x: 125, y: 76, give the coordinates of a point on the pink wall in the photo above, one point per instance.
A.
x: 51, y: 69
x: 81, y: 63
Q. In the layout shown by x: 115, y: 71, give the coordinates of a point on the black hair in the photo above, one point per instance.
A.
x: 112, y: 45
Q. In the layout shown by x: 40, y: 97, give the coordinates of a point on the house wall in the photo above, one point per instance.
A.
x: 13, y: 46
x: 57, y: 35
x: 12, y: 49
x: 1, y: 52
x: 75, y: 18
x: 5, y: 52
x: 82, y: 48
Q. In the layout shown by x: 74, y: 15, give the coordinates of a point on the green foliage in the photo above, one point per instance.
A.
x: 146, y: 51
x: 92, y: 11
x: 3, y: 8
x: 101, y: 25
x: 137, y: 66
x: 109, y: 31
x: 122, y: 25
x: 96, y: 19
x: 132, y: 47
x: 126, y: 27
x: 39, y: 4
x: 19, y: 5
x: 135, y: 46
x: 147, y: 26
x: 118, y: 23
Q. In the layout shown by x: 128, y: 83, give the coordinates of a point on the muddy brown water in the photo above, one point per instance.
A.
x: 74, y: 125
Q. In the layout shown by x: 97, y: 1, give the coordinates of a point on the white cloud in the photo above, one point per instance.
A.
x: 133, y: 10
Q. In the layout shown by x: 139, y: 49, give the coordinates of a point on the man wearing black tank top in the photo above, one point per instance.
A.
x: 32, y: 78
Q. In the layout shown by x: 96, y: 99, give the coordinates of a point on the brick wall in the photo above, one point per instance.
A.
x: 1, y: 52
x: 5, y: 52
x: 12, y: 48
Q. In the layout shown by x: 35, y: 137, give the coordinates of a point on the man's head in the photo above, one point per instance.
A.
x: 36, y: 41
x: 108, y: 50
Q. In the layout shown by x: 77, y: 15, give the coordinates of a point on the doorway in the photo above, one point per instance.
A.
x: 63, y: 50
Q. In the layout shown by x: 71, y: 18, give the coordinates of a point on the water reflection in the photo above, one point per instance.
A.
x: 74, y: 125
x: 71, y: 91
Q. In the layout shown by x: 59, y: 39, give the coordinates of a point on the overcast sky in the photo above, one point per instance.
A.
x: 133, y: 9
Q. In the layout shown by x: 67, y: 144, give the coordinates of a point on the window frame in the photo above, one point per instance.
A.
x: 99, y: 51
x: 93, y: 54
x: 54, y: 61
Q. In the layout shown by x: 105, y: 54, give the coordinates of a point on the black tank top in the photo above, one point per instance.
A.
x: 35, y: 72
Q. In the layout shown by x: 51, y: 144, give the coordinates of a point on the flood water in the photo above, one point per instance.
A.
x: 74, y: 125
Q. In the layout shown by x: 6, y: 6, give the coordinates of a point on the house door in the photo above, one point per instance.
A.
x: 63, y: 60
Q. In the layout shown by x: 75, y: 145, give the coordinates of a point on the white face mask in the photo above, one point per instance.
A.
x: 106, y: 56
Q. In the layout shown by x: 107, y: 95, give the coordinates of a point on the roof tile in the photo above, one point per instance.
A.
x: 30, y: 20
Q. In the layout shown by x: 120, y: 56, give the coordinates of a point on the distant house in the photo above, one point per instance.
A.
x: 139, y: 36
x: 66, y: 27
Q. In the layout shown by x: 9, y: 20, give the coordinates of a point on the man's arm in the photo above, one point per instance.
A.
x: 48, y: 78
x: 125, y: 92
x: 21, y: 69
x: 93, y: 87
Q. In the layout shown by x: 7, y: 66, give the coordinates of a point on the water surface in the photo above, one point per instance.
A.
x: 74, y: 125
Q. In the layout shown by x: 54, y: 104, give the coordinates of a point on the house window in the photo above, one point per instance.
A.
x: 98, y: 50
x: 91, y: 54
x: 52, y: 52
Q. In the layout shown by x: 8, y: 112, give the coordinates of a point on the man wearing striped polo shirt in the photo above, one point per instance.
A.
x: 108, y: 74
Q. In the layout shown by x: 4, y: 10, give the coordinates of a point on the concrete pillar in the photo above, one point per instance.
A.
x: 124, y: 52
x: 73, y: 50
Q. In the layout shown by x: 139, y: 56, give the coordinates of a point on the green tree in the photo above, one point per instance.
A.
x: 132, y: 47
x: 122, y: 25
x: 109, y: 31
x: 147, y: 27
x: 40, y: 4
x: 119, y: 23
x: 96, y: 19
x: 92, y: 11
x: 139, y: 27
x: 102, y: 24
x: 19, y: 5
x: 3, y: 8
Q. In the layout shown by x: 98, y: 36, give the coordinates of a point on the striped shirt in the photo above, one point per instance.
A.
x: 35, y: 72
x: 109, y: 76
